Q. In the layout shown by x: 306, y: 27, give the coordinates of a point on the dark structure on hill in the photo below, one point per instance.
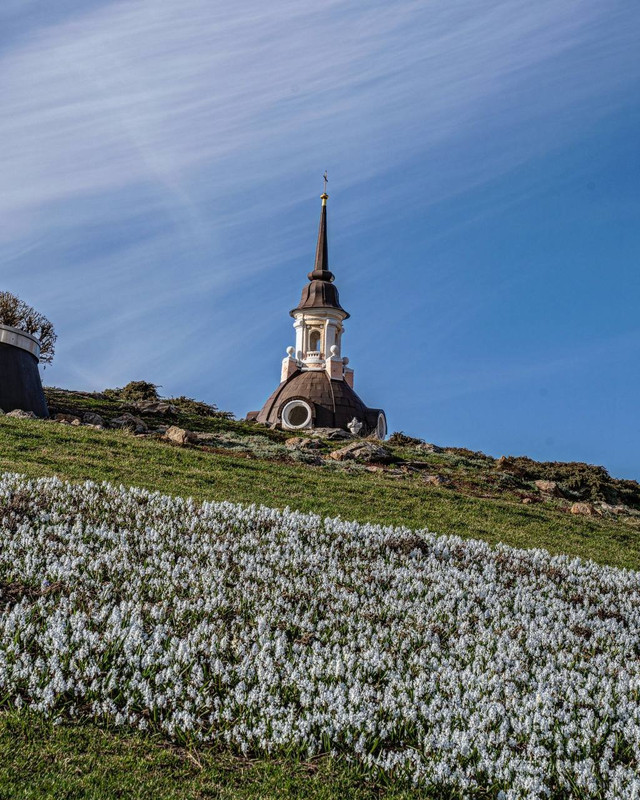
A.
x: 316, y: 389
x: 20, y: 384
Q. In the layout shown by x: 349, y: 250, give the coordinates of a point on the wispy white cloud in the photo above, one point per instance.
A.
x: 141, y: 91
x: 210, y: 117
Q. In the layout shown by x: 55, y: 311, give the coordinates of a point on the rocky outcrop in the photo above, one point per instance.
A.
x: 67, y: 419
x: 586, y: 509
x: 362, y: 451
x: 129, y: 423
x: 179, y: 436
x: 330, y: 433
x: 507, y: 464
x: 428, y: 447
x: 95, y: 420
x: 18, y: 413
x: 300, y: 443
x: 549, y: 487
x: 157, y: 407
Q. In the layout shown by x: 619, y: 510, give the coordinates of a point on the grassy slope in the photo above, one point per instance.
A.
x: 43, y: 448
x: 38, y: 760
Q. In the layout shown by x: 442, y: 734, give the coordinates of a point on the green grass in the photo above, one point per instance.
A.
x: 38, y: 448
x: 84, y: 760
x: 61, y: 400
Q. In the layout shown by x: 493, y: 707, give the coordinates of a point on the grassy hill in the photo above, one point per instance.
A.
x: 451, y: 490
x: 448, y: 490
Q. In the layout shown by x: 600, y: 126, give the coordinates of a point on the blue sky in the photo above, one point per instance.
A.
x: 162, y: 163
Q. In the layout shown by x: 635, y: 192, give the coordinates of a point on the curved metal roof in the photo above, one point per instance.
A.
x: 334, y: 402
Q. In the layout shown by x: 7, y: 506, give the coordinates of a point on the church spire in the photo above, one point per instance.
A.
x: 321, y: 292
x: 321, y: 266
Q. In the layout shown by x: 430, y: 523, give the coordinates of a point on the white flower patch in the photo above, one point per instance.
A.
x: 444, y: 661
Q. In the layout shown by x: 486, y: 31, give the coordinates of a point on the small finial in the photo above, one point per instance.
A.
x: 324, y: 196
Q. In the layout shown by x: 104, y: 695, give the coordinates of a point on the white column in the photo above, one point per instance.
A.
x: 299, y: 328
x: 330, y: 336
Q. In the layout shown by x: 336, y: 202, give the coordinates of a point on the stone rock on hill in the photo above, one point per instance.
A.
x: 436, y: 480
x: 129, y: 422
x: 299, y: 443
x: 179, y: 435
x: 67, y: 419
x: 428, y: 447
x: 154, y: 407
x: 18, y: 413
x: 330, y: 433
x: 362, y: 451
x: 89, y: 418
x: 585, y: 509
x: 549, y: 487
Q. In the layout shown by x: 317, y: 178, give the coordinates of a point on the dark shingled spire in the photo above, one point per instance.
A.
x: 320, y: 292
x: 321, y: 267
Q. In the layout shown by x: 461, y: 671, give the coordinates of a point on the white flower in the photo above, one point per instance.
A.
x: 451, y: 663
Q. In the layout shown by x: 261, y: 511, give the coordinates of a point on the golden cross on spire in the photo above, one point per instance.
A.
x: 324, y: 196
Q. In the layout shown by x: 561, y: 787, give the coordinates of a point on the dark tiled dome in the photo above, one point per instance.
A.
x: 334, y: 402
x: 320, y: 294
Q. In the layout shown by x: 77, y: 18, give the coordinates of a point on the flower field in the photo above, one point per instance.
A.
x: 428, y: 658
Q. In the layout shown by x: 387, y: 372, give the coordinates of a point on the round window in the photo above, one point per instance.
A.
x: 296, y: 414
x: 381, y: 427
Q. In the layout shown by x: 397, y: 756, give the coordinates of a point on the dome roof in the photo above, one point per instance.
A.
x: 334, y: 403
x: 319, y: 294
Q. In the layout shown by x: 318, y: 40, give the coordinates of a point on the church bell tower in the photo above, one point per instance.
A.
x: 318, y: 318
x: 316, y: 383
